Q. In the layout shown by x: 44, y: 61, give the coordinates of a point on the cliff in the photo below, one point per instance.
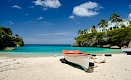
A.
x: 8, y: 40
x: 116, y: 37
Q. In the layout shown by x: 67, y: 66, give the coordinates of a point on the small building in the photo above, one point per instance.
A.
x: 89, y: 30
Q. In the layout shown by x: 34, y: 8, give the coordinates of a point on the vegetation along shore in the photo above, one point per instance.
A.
x: 114, y: 33
x: 8, y: 41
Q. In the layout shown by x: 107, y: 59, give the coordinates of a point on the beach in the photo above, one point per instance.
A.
x: 117, y: 67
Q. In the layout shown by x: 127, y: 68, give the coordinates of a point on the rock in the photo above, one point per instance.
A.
x: 75, y: 44
x: 115, y: 47
x: 129, y: 45
x: 17, y: 45
x: 9, y: 48
x: 90, y: 69
x: 98, y: 45
x: 100, y: 59
x: 106, y: 46
x: 55, y: 55
x: 108, y: 54
x: 93, y: 55
x: 91, y: 42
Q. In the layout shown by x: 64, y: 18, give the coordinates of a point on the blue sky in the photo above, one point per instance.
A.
x: 57, y: 21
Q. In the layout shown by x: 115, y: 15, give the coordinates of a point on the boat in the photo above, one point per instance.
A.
x: 126, y: 50
x: 77, y: 57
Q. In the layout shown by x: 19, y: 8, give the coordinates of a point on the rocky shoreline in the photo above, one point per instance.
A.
x: 103, y: 46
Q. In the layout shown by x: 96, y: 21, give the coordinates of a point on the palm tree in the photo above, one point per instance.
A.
x: 16, y: 35
x: 79, y: 32
x: 82, y: 32
x: 102, y: 23
x: 115, y: 17
x: 93, y: 30
x: 75, y: 38
x: 85, y: 31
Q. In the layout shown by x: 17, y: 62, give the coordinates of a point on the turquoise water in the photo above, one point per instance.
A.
x: 44, y: 49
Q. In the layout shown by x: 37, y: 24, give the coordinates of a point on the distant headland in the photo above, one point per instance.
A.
x: 114, y: 33
x: 8, y: 41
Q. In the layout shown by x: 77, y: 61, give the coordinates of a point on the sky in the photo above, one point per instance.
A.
x: 57, y: 21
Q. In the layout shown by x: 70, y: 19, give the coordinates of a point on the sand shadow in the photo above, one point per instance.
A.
x: 90, y: 69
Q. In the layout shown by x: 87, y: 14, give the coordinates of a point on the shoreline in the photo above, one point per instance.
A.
x: 46, y: 55
x: 12, y: 54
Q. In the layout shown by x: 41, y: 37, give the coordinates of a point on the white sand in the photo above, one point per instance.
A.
x: 117, y: 67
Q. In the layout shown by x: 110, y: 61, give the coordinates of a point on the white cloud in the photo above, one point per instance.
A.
x: 26, y: 14
x: 15, y: 6
x: 32, y: 7
x: 71, y: 17
x: 48, y: 24
x: 129, y: 16
x: 44, y: 9
x: 57, y: 33
x: 38, y: 2
x: 78, y: 22
x: 48, y: 3
x: 10, y: 22
x: 87, y: 9
x: 40, y: 18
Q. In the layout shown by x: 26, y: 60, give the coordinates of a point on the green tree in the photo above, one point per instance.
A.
x: 115, y: 17
x: 7, y: 40
x: 130, y: 23
x: 119, y: 36
x: 16, y: 35
x: 8, y: 31
x: 85, y: 31
x: 102, y: 23
x: 93, y: 30
x: 123, y: 26
x: 79, y: 32
x: 82, y: 32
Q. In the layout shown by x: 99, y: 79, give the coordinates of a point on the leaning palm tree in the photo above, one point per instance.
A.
x: 79, y: 32
x: 115, y: 17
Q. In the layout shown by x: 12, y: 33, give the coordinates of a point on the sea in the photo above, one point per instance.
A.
x: 56, y: 50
